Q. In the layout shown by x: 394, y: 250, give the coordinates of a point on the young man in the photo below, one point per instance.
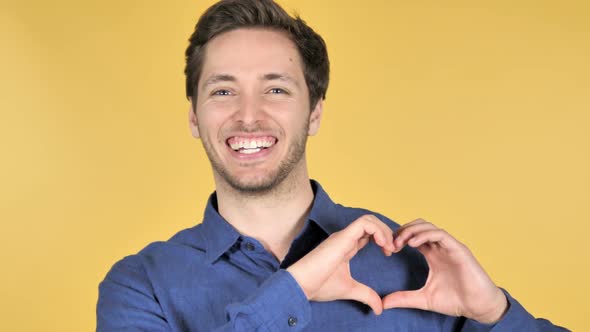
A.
x: 273, y: 252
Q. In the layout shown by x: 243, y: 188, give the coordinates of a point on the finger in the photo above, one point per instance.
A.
x: 405, y: 299
x: 430, y: 236
x: 410, y: 231
x: 411, y: 223
x: 363, y: 242
x: 426, y: 250
x: 388, y: 247
x: 365, y: 225
x: 366, y: 295
x: 387, y: 252
x: 388, y: 232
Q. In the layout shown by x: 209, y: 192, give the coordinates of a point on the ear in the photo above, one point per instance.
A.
x: 315, y: 117
x: 192, y: 120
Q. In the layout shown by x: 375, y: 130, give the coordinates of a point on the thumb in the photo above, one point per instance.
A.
x: 405, y: 299
x: 366, y: 295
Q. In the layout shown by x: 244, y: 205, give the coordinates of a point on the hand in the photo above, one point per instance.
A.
x: 457, y: 285
x: 324, y: 273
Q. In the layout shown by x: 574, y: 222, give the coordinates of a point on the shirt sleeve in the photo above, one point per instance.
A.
x: 279, y: 304
x: 127, y: 302
x: 515, y: 319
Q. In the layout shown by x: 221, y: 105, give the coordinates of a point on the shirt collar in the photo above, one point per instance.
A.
x: 220, y: 235
x: 324, y: 210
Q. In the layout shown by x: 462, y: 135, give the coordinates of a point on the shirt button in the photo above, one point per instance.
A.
x: 292, y: 321
x: 249, y: 246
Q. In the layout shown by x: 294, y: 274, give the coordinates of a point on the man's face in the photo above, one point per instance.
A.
x: 252, y: 112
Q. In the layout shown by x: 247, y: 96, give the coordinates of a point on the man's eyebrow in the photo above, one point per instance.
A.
x: 280, y: 77
x: 219, y: 78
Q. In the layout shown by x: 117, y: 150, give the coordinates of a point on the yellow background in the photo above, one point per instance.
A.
x: 471, y: 114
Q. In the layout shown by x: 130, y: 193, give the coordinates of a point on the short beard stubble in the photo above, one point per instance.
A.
x: 295, y: 153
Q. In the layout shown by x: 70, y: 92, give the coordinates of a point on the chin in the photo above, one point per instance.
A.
x: 257, y: 184
x: 254, y: 185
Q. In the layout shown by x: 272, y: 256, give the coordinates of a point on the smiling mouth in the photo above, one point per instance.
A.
x: 251, y: 145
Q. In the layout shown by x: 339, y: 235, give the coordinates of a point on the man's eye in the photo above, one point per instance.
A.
x: 221, y: 93
x: 277, y: 90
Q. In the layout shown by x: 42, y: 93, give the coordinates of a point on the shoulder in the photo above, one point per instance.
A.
x: 134, y: 291
x: 190, y: 240
x: 141, y: 267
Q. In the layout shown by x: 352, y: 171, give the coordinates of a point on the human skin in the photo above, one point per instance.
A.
x: 262, y: 95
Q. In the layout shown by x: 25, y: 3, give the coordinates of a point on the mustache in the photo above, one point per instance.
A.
x: 249, y: 128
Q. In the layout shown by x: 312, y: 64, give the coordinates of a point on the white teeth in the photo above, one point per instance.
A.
x: 249, y: 151
x: 250, y: 144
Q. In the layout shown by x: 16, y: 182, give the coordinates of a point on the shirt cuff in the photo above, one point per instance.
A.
x: 515, y: 319
x: 279, y: 304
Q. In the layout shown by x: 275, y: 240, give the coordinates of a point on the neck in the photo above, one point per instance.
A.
x: 274, y: 218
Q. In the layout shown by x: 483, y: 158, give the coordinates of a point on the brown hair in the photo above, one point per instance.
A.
x: 228, y: 15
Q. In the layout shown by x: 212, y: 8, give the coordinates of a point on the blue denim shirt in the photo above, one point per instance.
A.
x: 212, y: 278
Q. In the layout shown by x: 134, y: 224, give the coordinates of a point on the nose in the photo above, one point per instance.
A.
x: 249, y: 109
